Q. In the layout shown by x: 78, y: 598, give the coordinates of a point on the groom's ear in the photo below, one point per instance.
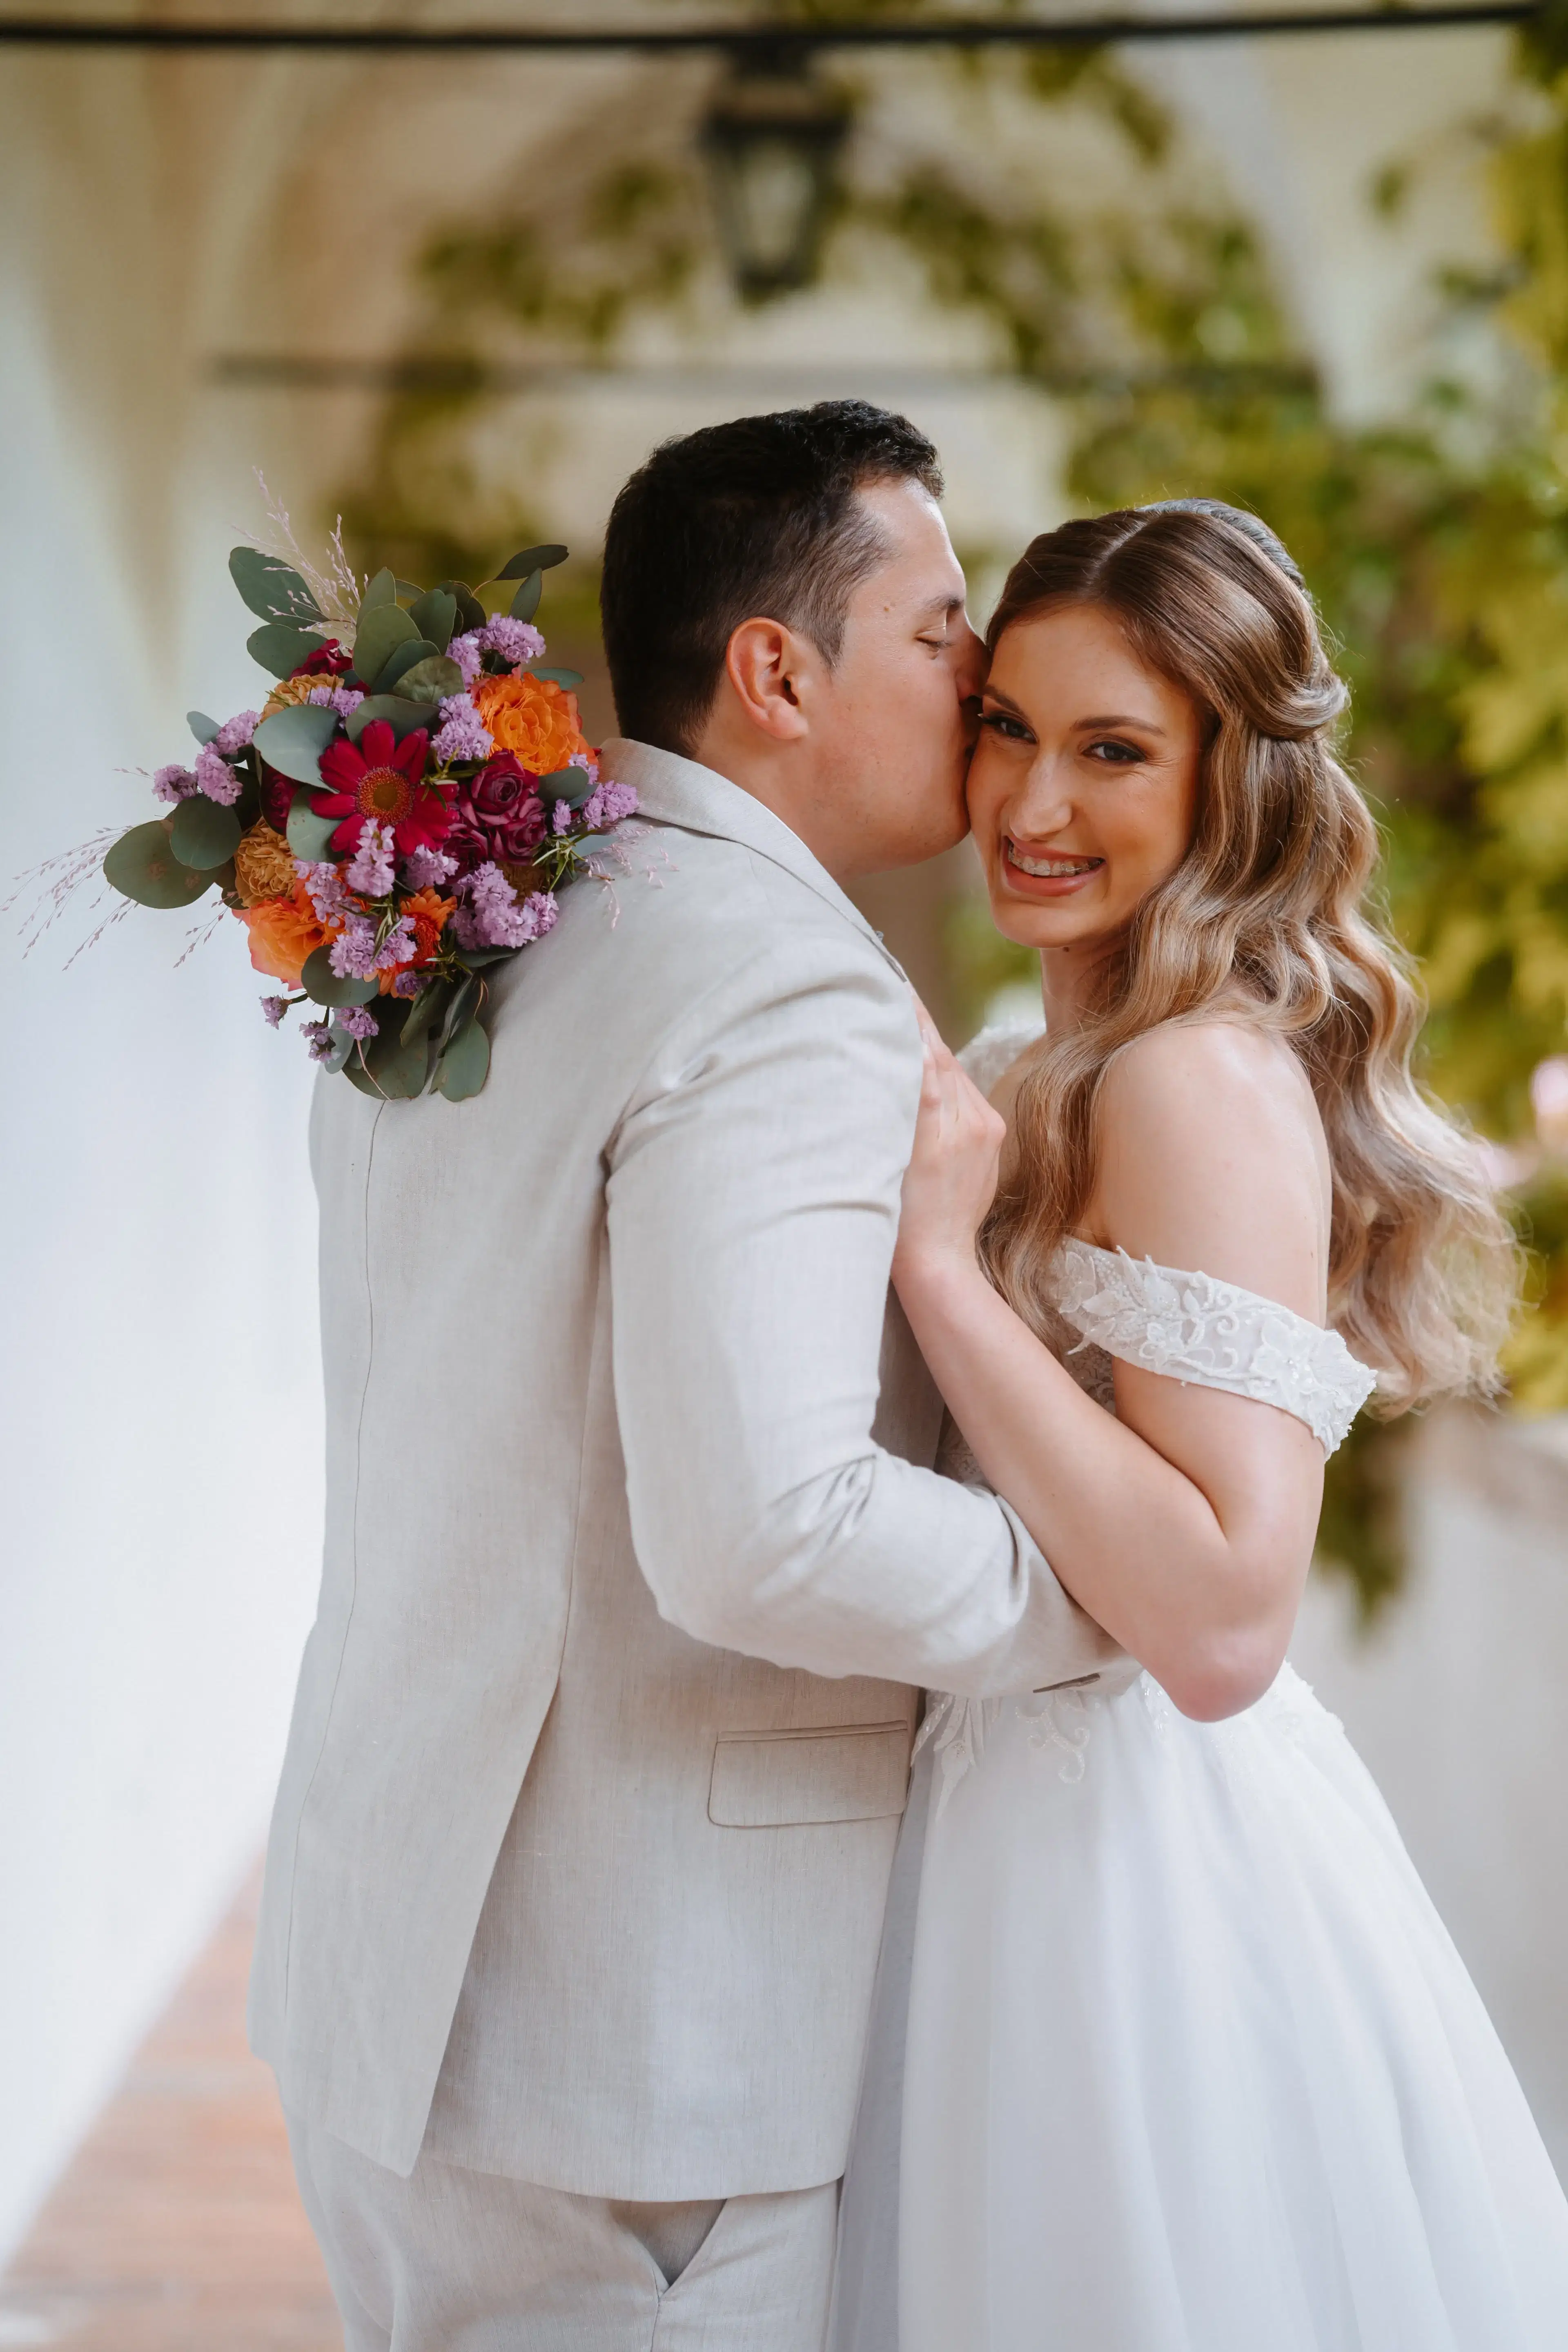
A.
x: 771, y: 671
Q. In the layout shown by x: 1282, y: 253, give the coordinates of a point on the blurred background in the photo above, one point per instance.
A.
x: 453, y: 298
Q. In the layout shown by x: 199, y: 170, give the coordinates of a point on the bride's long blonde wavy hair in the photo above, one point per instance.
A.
x: 1265, y: 920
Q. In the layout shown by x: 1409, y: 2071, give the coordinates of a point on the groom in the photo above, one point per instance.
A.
x: 634, y: 1566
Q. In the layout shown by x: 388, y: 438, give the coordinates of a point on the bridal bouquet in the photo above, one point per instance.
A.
x: 396, y: 818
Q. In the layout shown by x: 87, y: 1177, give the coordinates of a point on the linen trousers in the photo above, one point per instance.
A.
x: 456, y: 2261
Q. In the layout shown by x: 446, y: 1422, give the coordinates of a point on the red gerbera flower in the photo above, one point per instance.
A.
x: 380, y: 778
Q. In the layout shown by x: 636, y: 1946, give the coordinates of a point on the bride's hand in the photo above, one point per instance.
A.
x: 952, y: 1173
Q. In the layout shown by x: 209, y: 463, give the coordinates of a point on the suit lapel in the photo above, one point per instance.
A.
x: 674, y: 790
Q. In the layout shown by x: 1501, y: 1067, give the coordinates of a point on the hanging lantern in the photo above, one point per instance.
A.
x: 771, y: 138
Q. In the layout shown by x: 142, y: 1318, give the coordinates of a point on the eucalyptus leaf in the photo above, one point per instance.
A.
x: 323, y: 985
x: 309, y: 835
x: 464, y: 1001
x: 142, y: 865
x: 424, y: 1012
x: 202, y: 728
x: 203, y: 834
x: 567, y: 678
x: 382, y: 630
x: 279, y: 647
x: 476, y: 959
x: 532, y: 559
x: 407, y: 590
x: 432, y: 679
x: 273, y: 588
x: 402, y: 658
x: 465, y: 1064
x: 401, y: 715
x: 471, y: 614
x: 435, y: 615
x: 293, y: 740
x: 382, y: 589
x: 573, y: 785
x: 399, y: 1071
x: 339, y: 1046
x: 525, y: 603
x: 357, y: 1075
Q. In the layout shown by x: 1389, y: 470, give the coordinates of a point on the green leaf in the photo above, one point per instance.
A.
x: 567, y: 678
x: 435, y: 615
x: 476, y: 959
x: 573, y: 785
x: 471, y: 614
x: 202, y: 728
x: 380, y: 632
x: 340, y: 1045
x: 401, y: 714
x: 357, y: 1075
x: 431, y: 679
x: 323, y: 985
x: 203, y: 834
x: 525, y: 603
x: 532, y: 559
x: 465, y: 1064
x: 399, y: 1071
x: 142, y: 865
x: 292, y: 740
x: 402, y: 658
x: 273, y: 590
x: 408, y: 590
x: 465, y: 1000
x: 279, y: 647
x: 424, y: 1012
x: 382, y: 589
x: 309, y: 835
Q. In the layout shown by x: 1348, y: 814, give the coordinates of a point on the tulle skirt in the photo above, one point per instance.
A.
x: 1189, y: 2062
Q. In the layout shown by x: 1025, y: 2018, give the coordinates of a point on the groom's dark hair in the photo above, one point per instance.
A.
x: 755, y: 519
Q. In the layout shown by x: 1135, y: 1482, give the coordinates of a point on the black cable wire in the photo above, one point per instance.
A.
x: 742, y: 40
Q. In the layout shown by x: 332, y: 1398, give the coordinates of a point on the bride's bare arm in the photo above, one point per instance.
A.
x: 1184, y: 1526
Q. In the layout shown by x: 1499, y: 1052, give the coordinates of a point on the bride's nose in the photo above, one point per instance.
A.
x: 1045, y: 805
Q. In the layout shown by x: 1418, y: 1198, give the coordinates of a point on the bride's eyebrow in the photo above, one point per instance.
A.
x: 1141, y: 726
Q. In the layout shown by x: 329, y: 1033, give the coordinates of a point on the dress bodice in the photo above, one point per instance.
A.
x: 1185, y: 1325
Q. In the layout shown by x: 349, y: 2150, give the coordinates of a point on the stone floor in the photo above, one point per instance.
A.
x: 177, y: 2227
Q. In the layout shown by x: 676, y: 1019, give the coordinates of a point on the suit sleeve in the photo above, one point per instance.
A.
x: 753, y: 1198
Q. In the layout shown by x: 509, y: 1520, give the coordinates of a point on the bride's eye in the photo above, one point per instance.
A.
x: 1002, y: 722
x: 1115, y: 752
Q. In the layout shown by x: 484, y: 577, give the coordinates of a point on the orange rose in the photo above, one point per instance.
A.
x: 533, y: 717
x: 283, y: 932
x: 431, y: 913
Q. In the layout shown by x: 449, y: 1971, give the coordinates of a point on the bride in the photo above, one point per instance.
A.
x: 1189, y: 2064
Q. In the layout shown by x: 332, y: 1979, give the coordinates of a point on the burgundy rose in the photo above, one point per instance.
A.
x: 330, y: 662
x: 498, y: 813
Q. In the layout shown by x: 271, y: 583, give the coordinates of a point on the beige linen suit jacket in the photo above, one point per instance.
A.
x: 631, y: 1571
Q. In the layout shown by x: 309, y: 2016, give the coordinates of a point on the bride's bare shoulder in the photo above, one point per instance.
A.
x: 1210, y: 1154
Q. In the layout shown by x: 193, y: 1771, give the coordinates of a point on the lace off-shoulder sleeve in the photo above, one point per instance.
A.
x: 1192, y: 1327
x: 996, y: 1049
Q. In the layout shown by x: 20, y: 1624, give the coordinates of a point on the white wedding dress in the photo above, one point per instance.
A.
x: 1172, y: 2052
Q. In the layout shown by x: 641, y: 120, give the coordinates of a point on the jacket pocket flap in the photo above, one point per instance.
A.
x: 773, y: 1780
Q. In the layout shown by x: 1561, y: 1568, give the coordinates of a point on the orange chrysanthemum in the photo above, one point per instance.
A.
x: 429, y: 913
x: 533, y: 717
x: 283, y: 932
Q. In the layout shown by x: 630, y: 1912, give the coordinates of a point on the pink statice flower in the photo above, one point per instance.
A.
x: 427, y: 869
x: 491, y: 917
x: 353, y: 951
x: 407, y: 983
x: 370, y: 870
x: 324, y: 886
x: 235, y: 732
x: 174, y: 783
x: 360, y: 1022
x: 463, y: 734
x: 274, y: 1007
x: 344, y: 700
x: 608, y: 804
x: 586, y: 762
x: 216, y: 778
x: 468, y: 653
x: 516, y: 641
x: 398, y: 946
x: 317, y: 1035
x: 562, y: 817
